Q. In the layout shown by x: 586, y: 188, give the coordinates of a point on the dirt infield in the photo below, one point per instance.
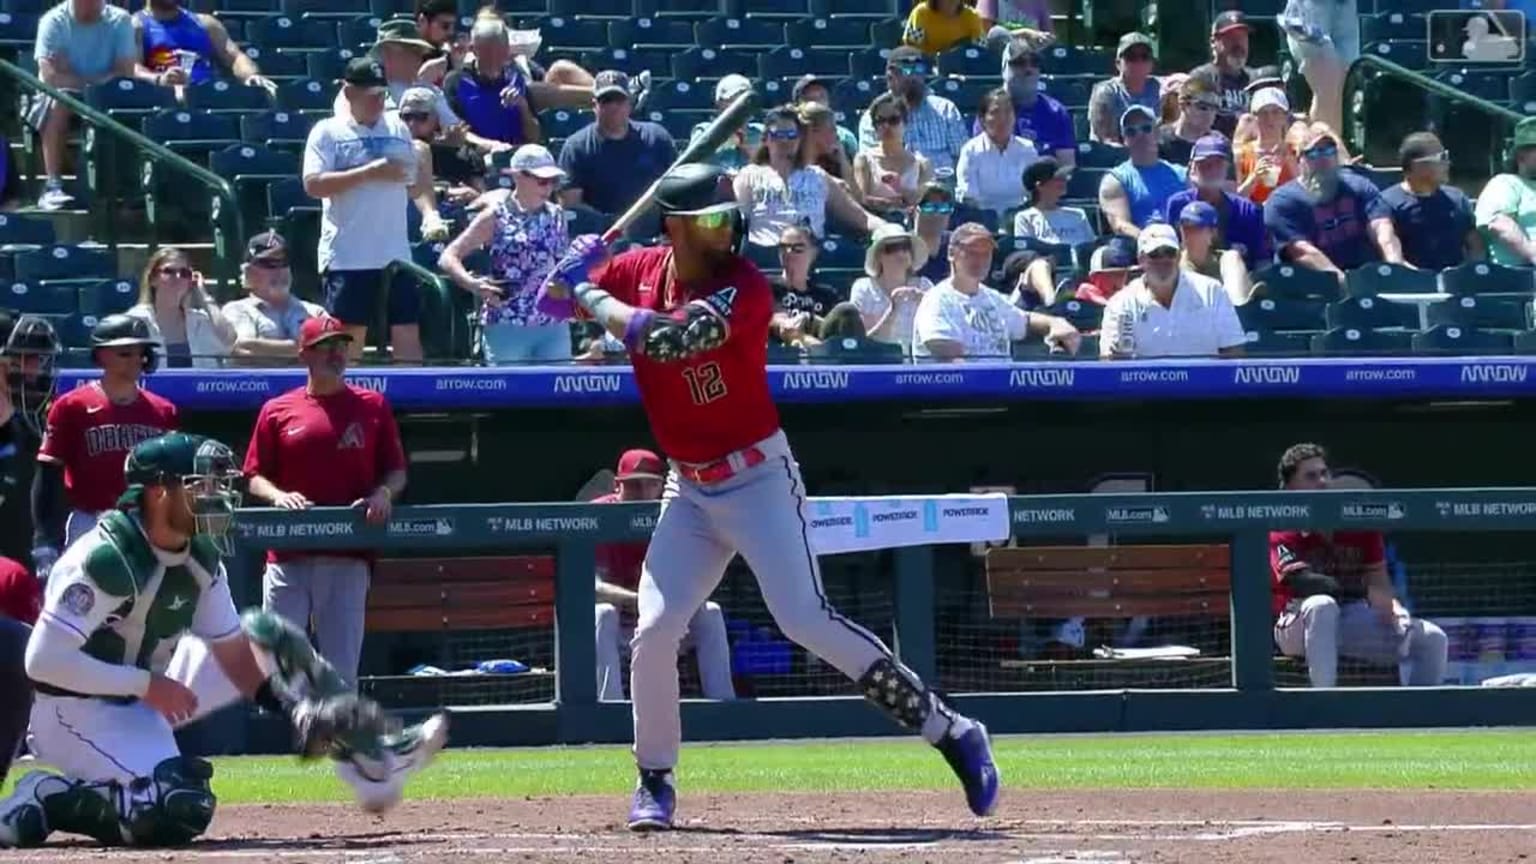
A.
x: 1031, y: 828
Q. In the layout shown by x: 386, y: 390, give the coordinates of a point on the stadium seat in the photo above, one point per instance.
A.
x: 593, y: 8
x: 1410, y: 55
x: 358, y: 33
x: 18, y: 29
x: 789, y: 62
x: 965, y: 213
x: 627, y: 60
x: 1343, y: 341
x: 887, y: 32
x: 678, y: 95
x: 1071, y: 92
x: 574, y: 34
x: 282, y: 31
x: 276, y: 129
x: 1453, y: 340
x: 252, y: 168
x: 970, y: 61
x: 327, y: 65
x: 1493, y: 86
x: 703, y: 62
x: 1522, y: 92
x: 1372, y: 313
x: 872, y: 9
x: 856, y: 351
x: 1264, y: 313
x: 1288, y: 281
x: 324, y: 8
x: 287, y: 194
x: 561, y: 123
x: 851, y: 96
x: 1269, y: 343
x: 18, y: 230
x: 842, y: 253
x: 1081, y: 314
x: 277, y: 65
x: 193, y: 134
x: 1076, y: 60
x: 1479, y: 277
x: 1096, y: 154
x: 1083, y: 184
x: 765, y: 257
x: 768, y: 8
x: 1380, y: 177
x: 1370, y: 280
x: 64, y: 262
x: 38, y: 298
x: 106, y: 296
x: 868, y: 64
x: 837, y: 33
x: 1488, y: 313
x: 783, y: 355
x: 754, y: 34
x: 646, y: 32
x: 966, y: 93
x: 1062, y: 253
x: 1525, y: 342
x: 1392, y: 26
x: 129, y: 95
x: 688, y: 10
x: 306, y: 94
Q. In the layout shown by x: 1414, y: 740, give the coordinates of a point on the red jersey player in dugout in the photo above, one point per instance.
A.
x: 694, y: 317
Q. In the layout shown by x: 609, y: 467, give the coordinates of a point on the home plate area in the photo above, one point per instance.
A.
x: 1081, y: 827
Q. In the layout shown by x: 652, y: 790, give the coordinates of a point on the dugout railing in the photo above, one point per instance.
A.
x: 1240, y: 519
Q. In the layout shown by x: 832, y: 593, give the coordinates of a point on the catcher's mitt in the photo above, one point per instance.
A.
x: 342, y: 726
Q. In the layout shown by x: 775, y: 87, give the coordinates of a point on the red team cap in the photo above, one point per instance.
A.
x: 321, y: 329
x: 640, y: 465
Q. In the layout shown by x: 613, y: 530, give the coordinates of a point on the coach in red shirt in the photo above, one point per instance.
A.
x: 21, y: 597
x: 640, y: 477
x: 1332, y: 595
x: 326, y: 444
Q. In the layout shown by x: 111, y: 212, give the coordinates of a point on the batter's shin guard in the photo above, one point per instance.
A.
x: 898, y: 692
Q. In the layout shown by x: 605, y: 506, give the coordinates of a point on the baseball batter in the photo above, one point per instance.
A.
x: 694, y: 317
x: 89, y: 433
x: 120, y: 601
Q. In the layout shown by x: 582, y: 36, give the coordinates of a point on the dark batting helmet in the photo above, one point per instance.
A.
x: 31, y: 345
x: 699, y: 189
x: 119, y: 331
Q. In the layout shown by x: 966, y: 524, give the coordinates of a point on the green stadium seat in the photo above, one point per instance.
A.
x: 16, y: 230
x: 707, y: 62
x: 1081, y: 314
x: 1373, y: 313
x: 1488, y: 313
x: 836, y: 33
x: 129, y: 95
x: 1288, y: 281
x: 41, y: 298
x: 970, y: 61
x: 850, y: 350
x: 284, y: 31
x: 1479, y: 277
x: 754, y: 34
x: 306, y: 94
x: 1370, y: 280
x: 1453, y: 340
x: 628, y: 60
x: 64, y: 262
x: 106, y: 296
x: 647, y: 32
x: 1096, y: 154
x: 1270, y: 343
x: 1347, y: 341
x: 1265, y: 314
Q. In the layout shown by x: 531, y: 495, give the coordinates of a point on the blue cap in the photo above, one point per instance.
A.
x: 1199, y: 214
x: 1212, y: 145
x: 1118, y: 254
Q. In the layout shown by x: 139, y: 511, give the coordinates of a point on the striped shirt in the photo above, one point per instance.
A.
x: 934, y: 129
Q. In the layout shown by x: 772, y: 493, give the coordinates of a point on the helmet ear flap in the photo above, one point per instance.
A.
x: 151, y: 358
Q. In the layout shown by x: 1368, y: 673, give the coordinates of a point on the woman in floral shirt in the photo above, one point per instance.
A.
x: 527, y: 236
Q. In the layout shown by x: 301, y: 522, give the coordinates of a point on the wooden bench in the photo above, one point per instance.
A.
x: 418, y: 595
x: 1109, y: 581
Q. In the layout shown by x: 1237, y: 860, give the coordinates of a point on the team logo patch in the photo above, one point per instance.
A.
x: 722, y: 301
x: 79, y: 599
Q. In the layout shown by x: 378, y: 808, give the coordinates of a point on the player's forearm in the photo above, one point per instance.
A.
x: 264, y: 490
x: 610, y: 313
x: 393, y: 483
x: 54, y: 657
x: 48, y: 509
x: 235, y: 657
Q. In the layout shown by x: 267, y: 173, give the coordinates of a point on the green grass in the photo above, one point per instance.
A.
x: 1401, y: 761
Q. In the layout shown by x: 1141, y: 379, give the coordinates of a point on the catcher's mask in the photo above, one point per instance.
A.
x: 31, y: 346
x: 206, y: 470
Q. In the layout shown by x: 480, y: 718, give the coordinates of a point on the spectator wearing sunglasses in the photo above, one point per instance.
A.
x: 1169, y: 311
x: 1433, y: 219
x: 437, y: 159
x: 1240, y: 222
x: 268, y: 318
x: 992, y: 165
x: 1228, y: 70
x: 934, y: 127
x: 888, y: 293
x: 935, y: 207
x: 1133, y: 84
x: 781, y: 188
x: 800, y: 302
x: 1506, y: 209
x: 1197, y: 113
x: 889, y: 177
x: 1327, y: 218
x: 1135, y: 193
x: 187, y: 326
x: 1037, y: 116
x: 613, y: 160
x: 527, y: 236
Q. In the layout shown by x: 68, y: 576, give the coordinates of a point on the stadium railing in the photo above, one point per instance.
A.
x: 1241, y: 520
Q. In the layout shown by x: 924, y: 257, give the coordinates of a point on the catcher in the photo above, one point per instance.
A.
x: 118, y: 602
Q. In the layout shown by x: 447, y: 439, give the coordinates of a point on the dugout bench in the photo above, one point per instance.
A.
x: 1133, y: 581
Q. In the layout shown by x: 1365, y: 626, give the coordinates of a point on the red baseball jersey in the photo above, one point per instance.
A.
x: 333, y: 449
x: 713, y: 404
x: 21, y: 597
x: 1344, y: 555
x: 91, y: 438
x: 619, y: 563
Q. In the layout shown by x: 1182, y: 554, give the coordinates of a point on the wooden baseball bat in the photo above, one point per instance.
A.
x: 731, y: 119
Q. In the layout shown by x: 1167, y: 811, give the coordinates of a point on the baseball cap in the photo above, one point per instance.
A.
x: 1137, y: 109
x: 1269, y: 97
x: 364, y: 72
x: 906, y: 55
x: 1265, y: 76
x: 1043, y: 170
x: 1156, y: 237
x: 1419, y: 145
x: 1525, y: 134
x: 806, y: 82
x: 321, y: 328
x: 731, y: 86
x: 1232, y: 19
x: 418, y: 100
x: 1131, y: 40
x: 1199, y: 214
x: 640, y: 464
x: 401, y: 31
x: 970, y: 232
x: 1314, y: 133
x: 536, y: 160
x: 1209, y: 146
x: 1118, y: 254
x: 610, y: 81
x: 267, y: 249
x: 1018, y: 49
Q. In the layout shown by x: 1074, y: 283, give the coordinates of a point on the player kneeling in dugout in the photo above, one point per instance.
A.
x: 1332, y: 595
x: 118, y: 604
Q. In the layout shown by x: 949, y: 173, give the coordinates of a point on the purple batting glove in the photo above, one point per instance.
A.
x: 555, y: 300
x: 585, y: 252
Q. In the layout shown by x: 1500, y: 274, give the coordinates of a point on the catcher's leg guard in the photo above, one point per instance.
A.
x: 170, y: 808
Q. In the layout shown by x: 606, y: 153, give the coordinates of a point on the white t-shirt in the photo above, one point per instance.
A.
x: 1197, y: 323
x: 984, y: 322
x: 363, y: 228
x: 1064, y: 225
x: 872, y: 301
x: 445, y: 116
x: 777, y: 204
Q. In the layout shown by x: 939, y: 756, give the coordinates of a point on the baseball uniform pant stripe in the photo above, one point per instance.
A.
x: 65, y: 725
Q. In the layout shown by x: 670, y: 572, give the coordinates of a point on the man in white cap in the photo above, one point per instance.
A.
x: 1169, y: 312
x: 737, y: 152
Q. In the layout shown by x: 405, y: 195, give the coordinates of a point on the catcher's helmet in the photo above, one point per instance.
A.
x: 31, y: 345
x: 117, y: 331
x: 204, y: 466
